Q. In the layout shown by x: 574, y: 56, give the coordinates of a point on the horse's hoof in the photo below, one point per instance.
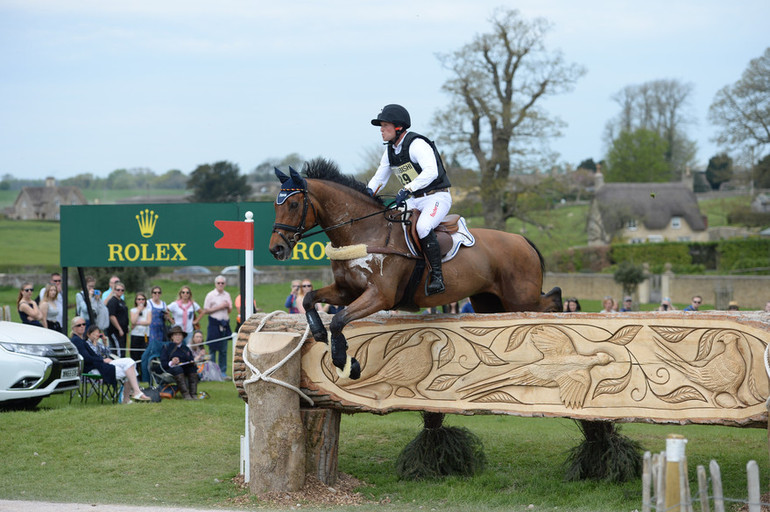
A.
x: 344, y: 372
x: 355, y: 369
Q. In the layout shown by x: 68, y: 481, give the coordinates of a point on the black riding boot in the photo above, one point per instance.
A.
x: 192, y: 384
x: 181, y: 385
x: 435, y: 282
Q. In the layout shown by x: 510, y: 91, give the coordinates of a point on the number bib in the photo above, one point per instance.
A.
x: 406, y: 173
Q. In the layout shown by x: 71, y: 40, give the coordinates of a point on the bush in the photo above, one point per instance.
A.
x: 744, y: 216
x: 743, y: 254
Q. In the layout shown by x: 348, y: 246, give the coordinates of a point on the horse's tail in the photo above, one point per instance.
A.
x: 539, y: 255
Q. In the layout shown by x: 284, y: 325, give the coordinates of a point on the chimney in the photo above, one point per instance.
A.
x: 598, y: 177
x: 50, y: 182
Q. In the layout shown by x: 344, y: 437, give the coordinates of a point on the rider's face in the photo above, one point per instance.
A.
x: 388, y: 131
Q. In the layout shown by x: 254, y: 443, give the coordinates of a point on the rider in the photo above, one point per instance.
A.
x: 417, y: 164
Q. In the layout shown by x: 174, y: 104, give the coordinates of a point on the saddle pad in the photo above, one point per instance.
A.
x: 462, y: 237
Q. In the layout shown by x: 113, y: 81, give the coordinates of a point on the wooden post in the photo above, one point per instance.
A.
x: 716, y: 485
x: 703, y: 489
x: 752, y: 475
x: 322, y: 438
x: 660, y: 483
x: 646, y: 480
x: 674, y: 455
x: 277, y: 439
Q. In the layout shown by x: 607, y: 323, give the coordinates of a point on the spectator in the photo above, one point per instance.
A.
x: 49, y: 310
x: 140, y: 327
x: 54, y: 281
x: 467, y: 307
x: 177, y: 359
x: 81, y: 302
x: 218, y: 305
x: 185, y: 312
x: 732, y: 306
x: 117, y: 331
x: 628, y: 302
x: 291, y: 300
x: 108, y: 294
x: 608, y: 305
x: 665, y: 305
x: 157, y: 330
x: 452, y: 308
x: 573, y: 305
x: 305, y: 288
x: 29, y: 312
x: 767, y: 307
x: 207, y: 369
x: 110, y: 369
x: 695, y: 304
x: 237, y: 304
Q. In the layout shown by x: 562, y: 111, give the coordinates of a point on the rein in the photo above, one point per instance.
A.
x: 299, y: 231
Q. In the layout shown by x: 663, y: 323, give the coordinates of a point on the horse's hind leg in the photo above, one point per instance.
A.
x: 551, y: 301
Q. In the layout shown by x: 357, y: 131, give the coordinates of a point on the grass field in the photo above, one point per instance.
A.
x: 181, y: 453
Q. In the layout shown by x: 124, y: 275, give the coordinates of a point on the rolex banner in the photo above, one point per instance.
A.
x: 162, y: 235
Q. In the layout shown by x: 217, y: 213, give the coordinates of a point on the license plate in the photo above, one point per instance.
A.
x: 69, y: 373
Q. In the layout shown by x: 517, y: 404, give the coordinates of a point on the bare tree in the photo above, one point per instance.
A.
x: 497, y: 85
x: 661, y: 106
x: 742, y: 110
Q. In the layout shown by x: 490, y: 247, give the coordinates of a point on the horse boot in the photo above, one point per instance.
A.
x: 181, y: 384
x: 192, y: 385
x: 435, y: 282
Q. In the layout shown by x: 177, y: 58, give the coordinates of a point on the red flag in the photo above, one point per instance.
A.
x: 236, y: 235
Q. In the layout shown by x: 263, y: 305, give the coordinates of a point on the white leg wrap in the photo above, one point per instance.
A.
x: 345, y: 372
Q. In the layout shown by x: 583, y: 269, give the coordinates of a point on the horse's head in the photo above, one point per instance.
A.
x: 291, y: 214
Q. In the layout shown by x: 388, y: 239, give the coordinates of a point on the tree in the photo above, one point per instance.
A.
x: 218, y: 183
x: 588, y: 164
x: 638, y: 156
x: 264, y: 171
x: 498, y: 82
x: 719, y: 170
x: 761, y: 173
x: 742, y: 110
x: 660, y: 106
x: 174, y: 179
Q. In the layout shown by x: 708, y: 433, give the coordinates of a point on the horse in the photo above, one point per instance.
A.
x: 502, y: 272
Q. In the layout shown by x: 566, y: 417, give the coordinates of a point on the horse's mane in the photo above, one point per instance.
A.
x: 323, y: 169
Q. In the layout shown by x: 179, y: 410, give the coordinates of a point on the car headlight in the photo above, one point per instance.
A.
x: 28, y: 349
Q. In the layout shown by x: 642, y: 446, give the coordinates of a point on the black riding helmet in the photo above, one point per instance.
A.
x: 395, y: 114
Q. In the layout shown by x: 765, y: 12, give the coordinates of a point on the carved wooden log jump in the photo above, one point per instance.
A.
x: 672, y: 367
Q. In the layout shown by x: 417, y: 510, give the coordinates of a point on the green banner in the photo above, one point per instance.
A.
x: 170, y: 235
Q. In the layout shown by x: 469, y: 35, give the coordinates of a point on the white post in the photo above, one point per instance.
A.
x: 249, y: 298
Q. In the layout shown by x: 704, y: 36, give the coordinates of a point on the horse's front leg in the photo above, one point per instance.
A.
x: 330, y: 294
x: 370, y: 302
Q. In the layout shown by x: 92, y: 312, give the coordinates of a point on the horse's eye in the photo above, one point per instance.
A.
x: 293, y: 205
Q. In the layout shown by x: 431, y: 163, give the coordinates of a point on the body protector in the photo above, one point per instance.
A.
x: 406, y: 170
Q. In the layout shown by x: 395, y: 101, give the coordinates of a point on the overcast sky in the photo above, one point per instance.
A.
x: 97, y: 85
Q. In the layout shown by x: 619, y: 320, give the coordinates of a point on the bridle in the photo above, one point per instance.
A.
x: 299, y: 230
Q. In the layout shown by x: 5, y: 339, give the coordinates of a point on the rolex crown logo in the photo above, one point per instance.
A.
x: 147, y: 219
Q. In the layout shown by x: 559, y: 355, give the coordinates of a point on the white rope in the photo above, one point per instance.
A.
x: 767, y: 359
x: 266, y: 375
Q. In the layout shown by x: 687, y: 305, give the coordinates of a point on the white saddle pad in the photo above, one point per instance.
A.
x: 462, y: 237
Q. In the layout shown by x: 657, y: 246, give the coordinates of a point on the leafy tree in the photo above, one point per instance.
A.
x: 588, y: 164
x: 218, y: 183
x: 660, y: 106
x: 264, y: 171
x: 173, y: 179
x: 497, y: 85
x: 761, y: 173
x: 83, y: 181
x: 629, y: 276
x: 719, y: 170
x: 638, y: 156
x: 742, y: 110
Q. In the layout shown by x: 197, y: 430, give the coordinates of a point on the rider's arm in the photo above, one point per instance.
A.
x: 382, y: 174
x: 421, y: 152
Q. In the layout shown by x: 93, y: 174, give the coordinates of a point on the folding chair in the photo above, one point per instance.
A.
x: 92, y: 384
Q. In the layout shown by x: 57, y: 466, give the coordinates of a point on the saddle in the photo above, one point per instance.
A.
x: 444, y: 231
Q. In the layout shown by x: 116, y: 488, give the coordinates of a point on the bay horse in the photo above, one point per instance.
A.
x: 502, y: 272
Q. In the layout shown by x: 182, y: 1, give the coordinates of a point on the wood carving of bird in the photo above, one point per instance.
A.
x: 401, y: 371
x: 560, y: 366
x: 722, y: 373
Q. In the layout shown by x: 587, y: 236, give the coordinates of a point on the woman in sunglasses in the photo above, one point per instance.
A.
x: 29, y: 313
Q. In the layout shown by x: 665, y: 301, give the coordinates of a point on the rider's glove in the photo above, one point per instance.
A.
x: 401, y: 197
x: 370, y: 192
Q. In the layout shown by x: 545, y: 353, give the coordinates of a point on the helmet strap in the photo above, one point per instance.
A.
x: 399, y: 132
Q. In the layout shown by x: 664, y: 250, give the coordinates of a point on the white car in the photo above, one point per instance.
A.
x: 35, y: 362
x: 235, y: 270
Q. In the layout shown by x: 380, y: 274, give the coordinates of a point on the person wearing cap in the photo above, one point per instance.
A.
x: 416, y: 162
x: 627, y: 302
x: 732, y: 305
x: 178, y: 360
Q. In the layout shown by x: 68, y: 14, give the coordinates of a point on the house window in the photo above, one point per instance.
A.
x: 676, y: 222
x: 637, y: 240
x: 683, y: 239
x: 631, y: 224
x: 655, y: 238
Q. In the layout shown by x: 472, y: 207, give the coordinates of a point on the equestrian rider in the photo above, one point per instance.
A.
x: 417, y: 164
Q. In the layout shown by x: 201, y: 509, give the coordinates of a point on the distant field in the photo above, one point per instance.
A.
x: 7, y: 197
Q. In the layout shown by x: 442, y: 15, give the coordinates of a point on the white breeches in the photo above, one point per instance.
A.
x: 434, y: 208
x: 121, y: 365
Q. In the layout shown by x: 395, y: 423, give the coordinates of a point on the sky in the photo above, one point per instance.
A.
x: 90, y: 86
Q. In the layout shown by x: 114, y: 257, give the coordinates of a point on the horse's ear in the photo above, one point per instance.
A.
x: 294, y: 174
x: 281, y: 176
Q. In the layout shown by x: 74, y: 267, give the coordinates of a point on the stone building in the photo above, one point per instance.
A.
x: 42, y: 203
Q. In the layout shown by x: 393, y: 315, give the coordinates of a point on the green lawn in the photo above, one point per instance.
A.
x: 182, y: 453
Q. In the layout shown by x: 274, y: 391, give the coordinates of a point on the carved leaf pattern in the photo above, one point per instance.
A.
x: 481, y: 331
x: 612, y: 386
x: 362, y: 354
x: 497, y: 397
x: 624, y: 335
x: 683, y: 394
x: 447, y: 353
x: 443, y: 382
x: 486, y: 355
x: 398, y: 339
x: 672, y: 334
x: 705, y: 343
x: 517, y: 337
x: 327, y: 367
